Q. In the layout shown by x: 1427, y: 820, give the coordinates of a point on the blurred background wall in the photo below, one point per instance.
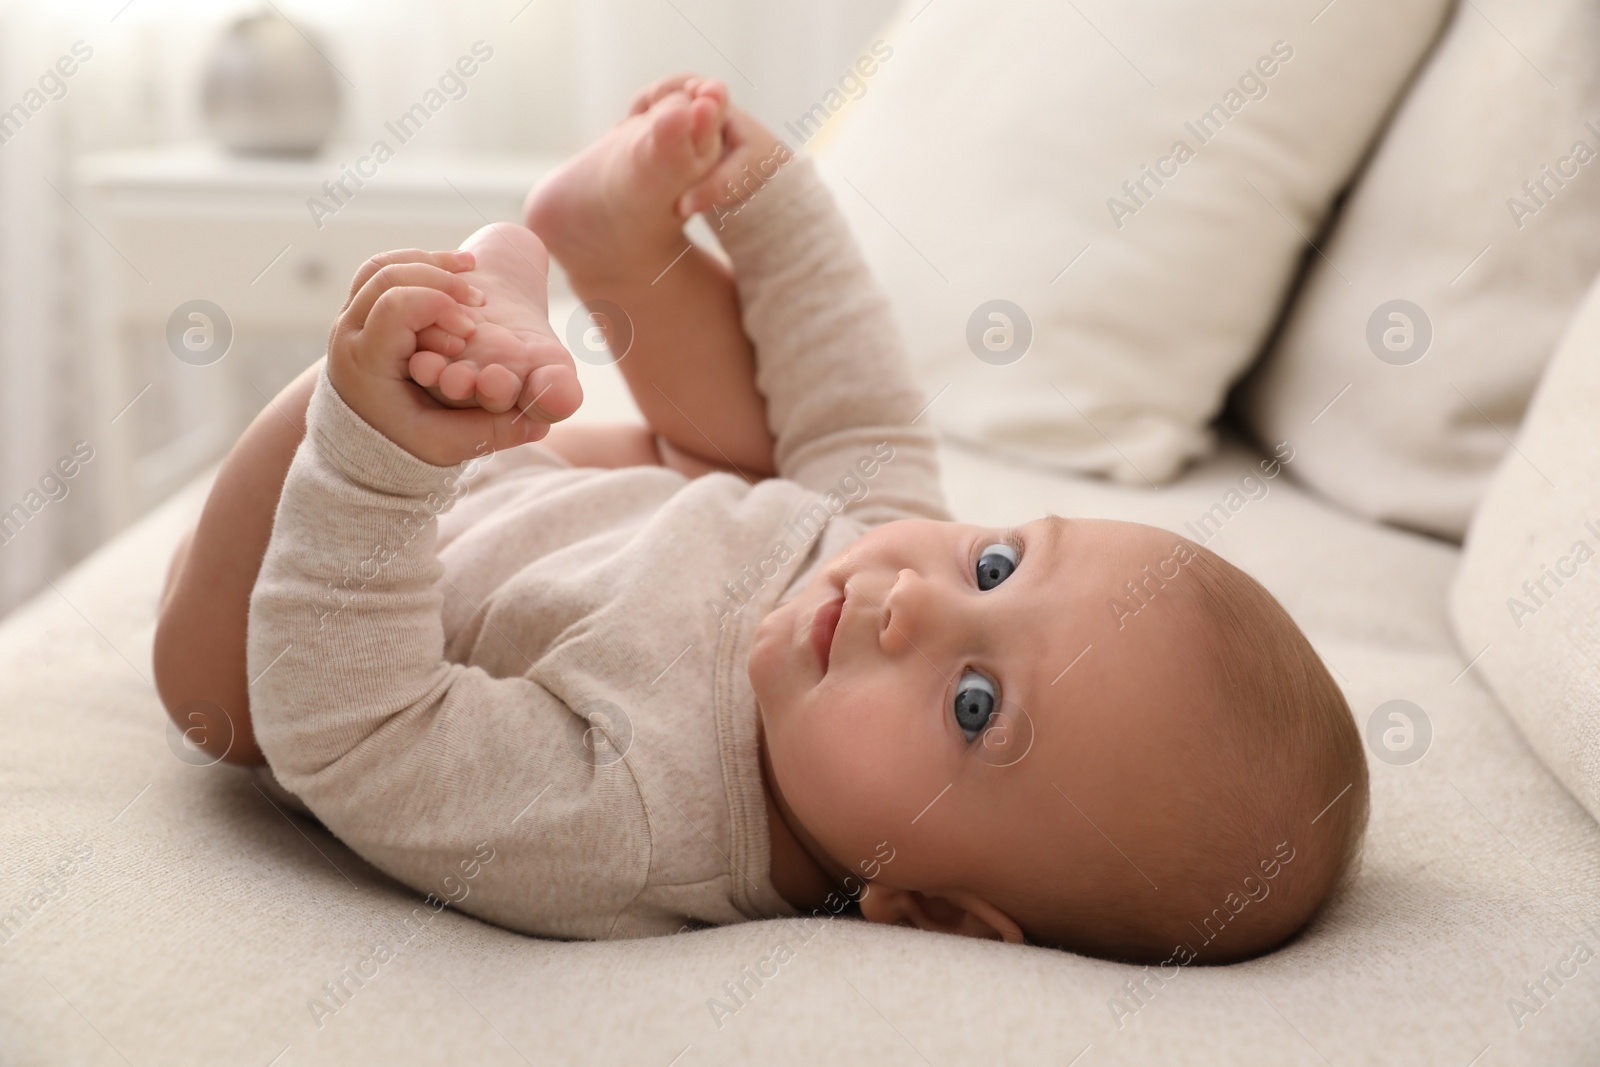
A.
x: 115, y: 202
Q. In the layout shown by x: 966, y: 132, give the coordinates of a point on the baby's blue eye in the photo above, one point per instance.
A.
x: 995, y: 565
x: 974, y: 703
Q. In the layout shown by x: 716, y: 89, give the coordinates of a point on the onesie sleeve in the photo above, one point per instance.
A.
x: 422, y: 766
x: 841, y: 402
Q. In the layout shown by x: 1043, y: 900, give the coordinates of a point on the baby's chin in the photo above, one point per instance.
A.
x: 776, y: 628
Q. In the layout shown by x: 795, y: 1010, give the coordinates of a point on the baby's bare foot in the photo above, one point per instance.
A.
x: 613, y: 209
x: 513, y: 357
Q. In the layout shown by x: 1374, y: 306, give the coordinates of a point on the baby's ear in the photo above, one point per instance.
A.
x: 955, y: 912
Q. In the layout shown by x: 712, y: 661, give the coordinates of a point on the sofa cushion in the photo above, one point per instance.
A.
x: 1087, y: 215
x: 1421, y: 330
x: 1526, y: 601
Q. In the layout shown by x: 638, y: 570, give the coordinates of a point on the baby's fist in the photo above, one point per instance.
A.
x: 401, y: 303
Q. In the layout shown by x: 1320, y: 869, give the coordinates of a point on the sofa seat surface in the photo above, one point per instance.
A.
x: 157, y: 912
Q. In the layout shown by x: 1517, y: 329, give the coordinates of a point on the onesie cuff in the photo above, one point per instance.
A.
x: 769, y: 224
x: 363, y: 454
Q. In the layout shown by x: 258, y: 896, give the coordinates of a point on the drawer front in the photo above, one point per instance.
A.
x: 272, y: 269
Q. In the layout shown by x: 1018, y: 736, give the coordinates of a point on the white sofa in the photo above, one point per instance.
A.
x: 206, y: 920
x: 157, y: 912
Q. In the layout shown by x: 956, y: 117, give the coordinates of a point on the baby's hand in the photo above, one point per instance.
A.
x: 513, y: 344
x: 406, y: 302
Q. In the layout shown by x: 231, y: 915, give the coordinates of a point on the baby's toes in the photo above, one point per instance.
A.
x: 669, y: 145
x: 705, y: 127
x: 425, y: 368
x: 712, y: 88
x: 459, y: 380
x: 498, y: 388
x: 551, y: 393
x: 646, y: 97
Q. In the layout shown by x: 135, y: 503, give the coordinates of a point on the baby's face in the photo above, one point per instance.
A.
x: 982, y: 707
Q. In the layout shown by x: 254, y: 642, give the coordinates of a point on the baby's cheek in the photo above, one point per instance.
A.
x: 862, y: 774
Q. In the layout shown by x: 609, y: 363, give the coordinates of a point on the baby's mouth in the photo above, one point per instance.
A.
x: 823, y: 626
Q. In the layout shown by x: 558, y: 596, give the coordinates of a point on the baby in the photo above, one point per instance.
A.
x: 737, y: 663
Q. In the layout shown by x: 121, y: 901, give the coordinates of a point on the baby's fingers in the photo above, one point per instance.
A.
x: 450, y: 261
x: 434, y: 339
x: 399, y: 315
x: 415, y: 275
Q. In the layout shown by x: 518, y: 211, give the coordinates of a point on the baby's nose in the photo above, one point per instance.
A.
x: 911, y: 613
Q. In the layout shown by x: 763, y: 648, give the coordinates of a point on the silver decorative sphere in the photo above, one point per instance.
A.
x: 269, y: 90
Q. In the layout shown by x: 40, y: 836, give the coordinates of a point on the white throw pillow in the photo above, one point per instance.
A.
x: 1526, y: 600
x: 1481, y: 209
x: 1136, y: 180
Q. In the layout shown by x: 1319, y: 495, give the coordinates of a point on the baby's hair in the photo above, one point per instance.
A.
x: 1287, y: 743
x: 1269, y: 671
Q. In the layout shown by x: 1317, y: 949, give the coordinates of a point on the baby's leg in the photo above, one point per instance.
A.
x: 610, y: 216
x: 199, y: 653
x: 624, y: 444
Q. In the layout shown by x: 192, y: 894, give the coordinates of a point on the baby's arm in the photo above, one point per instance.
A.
x: 418, y: 763
x: 198, y: 655
x: 831, y: 364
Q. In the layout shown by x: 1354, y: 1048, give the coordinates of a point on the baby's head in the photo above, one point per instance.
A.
x: 1090, y: 734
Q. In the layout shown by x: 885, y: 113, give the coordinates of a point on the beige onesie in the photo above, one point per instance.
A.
x: 543, y: 664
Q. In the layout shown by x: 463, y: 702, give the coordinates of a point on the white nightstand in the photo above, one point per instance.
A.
x: 184, y: 224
